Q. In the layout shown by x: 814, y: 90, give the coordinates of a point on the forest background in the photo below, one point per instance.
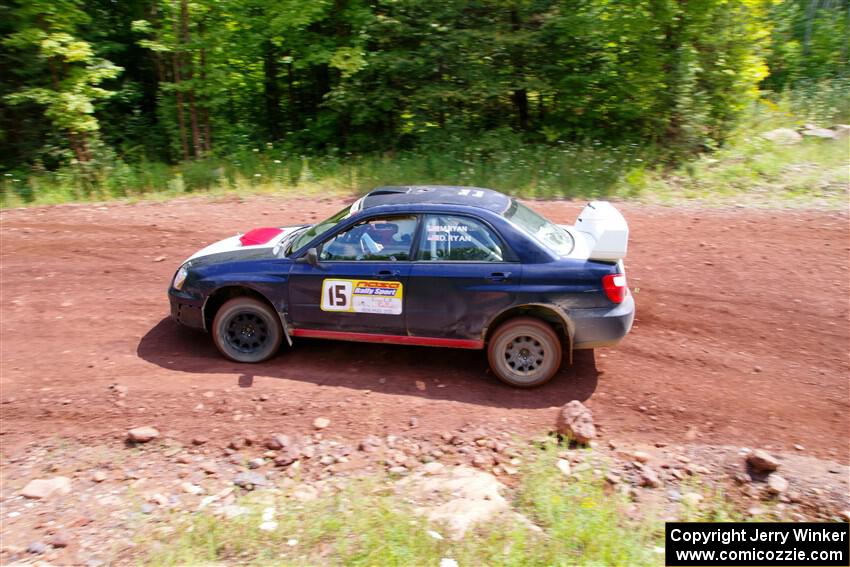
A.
x: 541, y: 98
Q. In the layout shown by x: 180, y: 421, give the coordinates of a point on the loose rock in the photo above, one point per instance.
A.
x: 305, y: 493
x: 576, y: 422
x: 692, y: 498
x: 321, y: 422
x: 762, y: 461
x: 250, y: 480
x: 776, y: 484
x: 784, y: 136
x: 433, y: 467
x: 36, y: 548
x: 287, y: 456
x: 563, y: 466
x: 60, y: 539
x: 458, y: 499
x: 42, y: 488
x: 278, y: 442
x: 142, y: 434
x: 649, y: 478
x: 641, y: 456
x: 190, y: 488
x: 824, y: 133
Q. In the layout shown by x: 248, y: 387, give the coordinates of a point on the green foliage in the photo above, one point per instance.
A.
x: 746, y: 168
x: 63, y: 72
x: 142, y: 81
x: 810, y: 42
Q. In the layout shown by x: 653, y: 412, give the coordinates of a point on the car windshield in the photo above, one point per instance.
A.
x: 544, y: 231
x: 324, y: 226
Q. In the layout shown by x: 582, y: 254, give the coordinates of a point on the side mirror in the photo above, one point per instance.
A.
x: 311, y: 257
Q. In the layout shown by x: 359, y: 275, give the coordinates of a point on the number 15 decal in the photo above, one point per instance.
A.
x: 336, y: 295
x: 378, y: 297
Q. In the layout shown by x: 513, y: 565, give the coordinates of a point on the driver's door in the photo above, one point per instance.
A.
x: 359, y: 283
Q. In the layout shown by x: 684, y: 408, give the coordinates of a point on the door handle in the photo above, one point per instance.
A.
x: 388, y: 274
x: 498, y: 276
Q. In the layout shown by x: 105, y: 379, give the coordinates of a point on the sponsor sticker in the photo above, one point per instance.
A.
x: 448, y: 233
x: 362, y: 296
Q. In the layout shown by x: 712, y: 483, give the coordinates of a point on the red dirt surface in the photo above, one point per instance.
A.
x: 741, y: 336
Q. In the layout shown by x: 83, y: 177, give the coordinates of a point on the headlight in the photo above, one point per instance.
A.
x: 180, y: 277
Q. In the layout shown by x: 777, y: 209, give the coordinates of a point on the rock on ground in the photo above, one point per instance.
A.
x: 576, y: 422
x: 459, y: 498
x: 42, y: 488
x: 785, y: 136
x: 250, y: 480
x: 649, y: 478
x: 692, y: 498
x: 820, y: 133
x: 142, y: 434
x: 776, y: 484
x: 762, y: 461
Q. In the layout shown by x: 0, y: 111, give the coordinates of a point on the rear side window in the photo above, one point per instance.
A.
x: 458, y: 239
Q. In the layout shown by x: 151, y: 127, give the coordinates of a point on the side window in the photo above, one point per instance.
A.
x: 386, y: 238
x: 461, y: 239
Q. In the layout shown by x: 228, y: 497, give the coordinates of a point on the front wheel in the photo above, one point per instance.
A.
x: 247, y: 330
x: 524, y: 352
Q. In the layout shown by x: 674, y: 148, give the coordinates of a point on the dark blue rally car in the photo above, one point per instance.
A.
x: 438, y: 266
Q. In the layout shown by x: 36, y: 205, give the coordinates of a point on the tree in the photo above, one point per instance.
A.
x: 64, y: 72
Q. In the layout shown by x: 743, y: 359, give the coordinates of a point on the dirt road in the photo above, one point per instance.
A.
x: 741, y: 336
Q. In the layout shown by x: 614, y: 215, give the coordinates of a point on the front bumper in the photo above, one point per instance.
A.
x: 601, y: 327
x: 187, y: 309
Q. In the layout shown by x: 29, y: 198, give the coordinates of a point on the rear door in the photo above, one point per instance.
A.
x: 360, y: 282
x: 462, y: 275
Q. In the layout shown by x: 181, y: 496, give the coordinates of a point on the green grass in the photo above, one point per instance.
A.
x: 581, y: 522
x: 752, y: 169
x: 746, y: 168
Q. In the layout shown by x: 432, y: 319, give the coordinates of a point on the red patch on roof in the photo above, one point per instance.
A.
x: 258, y: 236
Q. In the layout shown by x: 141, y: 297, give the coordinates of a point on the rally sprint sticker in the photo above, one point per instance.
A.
x: 362, y: 296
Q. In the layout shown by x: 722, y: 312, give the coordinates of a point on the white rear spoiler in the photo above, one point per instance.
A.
x: 605, y: 230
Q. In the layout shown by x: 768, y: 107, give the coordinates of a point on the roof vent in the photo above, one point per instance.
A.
x: 388, y: 191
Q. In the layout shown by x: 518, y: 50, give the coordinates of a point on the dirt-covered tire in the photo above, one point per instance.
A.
x: 524, y: 352
x: 247, y: 330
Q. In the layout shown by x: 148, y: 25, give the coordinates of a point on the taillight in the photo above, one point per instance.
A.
x: 615, y: 287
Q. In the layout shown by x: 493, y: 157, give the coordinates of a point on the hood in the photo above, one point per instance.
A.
x: 256, y: 244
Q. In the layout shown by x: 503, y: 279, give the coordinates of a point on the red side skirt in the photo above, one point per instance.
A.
x: 388, y: 339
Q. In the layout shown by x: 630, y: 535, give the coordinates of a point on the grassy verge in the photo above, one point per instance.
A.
x: 571, y: 521
x: 747, y: 168
x: 754, y: 170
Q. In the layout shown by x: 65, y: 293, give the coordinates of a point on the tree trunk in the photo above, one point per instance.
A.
x: 76, y: 147
x: 196, y: 132
x: 271, y: 90
x: 290, y: 91
x: 181, y: 122
x: 520, y: 98
x: 520, y: 95
x: 193, y: 114
x: 205, y: 115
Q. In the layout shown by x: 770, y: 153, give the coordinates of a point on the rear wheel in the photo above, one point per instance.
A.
x: 524, y: 352
x: 247, y: 330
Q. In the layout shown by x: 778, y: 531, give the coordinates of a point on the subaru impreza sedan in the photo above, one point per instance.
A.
x: 437, y: 266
